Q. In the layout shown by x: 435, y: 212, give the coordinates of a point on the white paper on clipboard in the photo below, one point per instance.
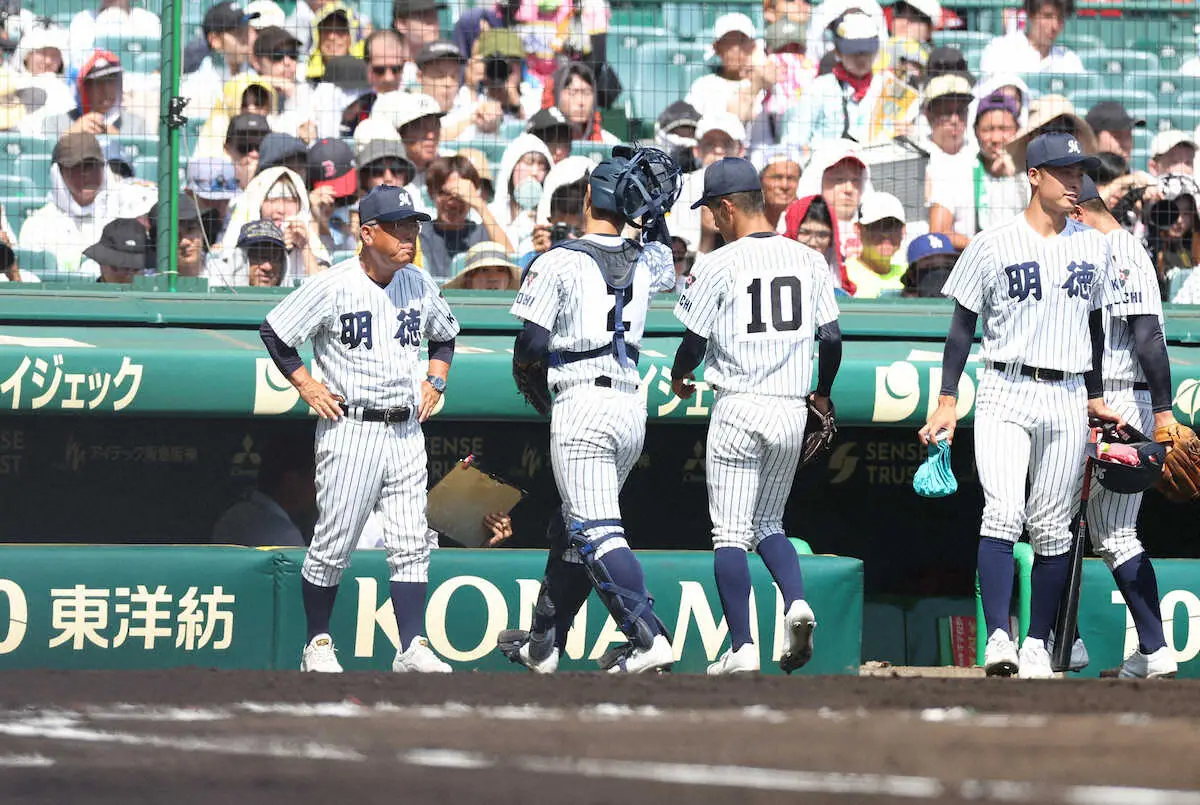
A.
x: 458, y: 503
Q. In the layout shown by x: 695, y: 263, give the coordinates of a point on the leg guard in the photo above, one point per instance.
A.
x: 633, y: 610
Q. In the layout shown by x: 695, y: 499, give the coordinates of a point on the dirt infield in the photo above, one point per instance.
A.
x: 248, y: 737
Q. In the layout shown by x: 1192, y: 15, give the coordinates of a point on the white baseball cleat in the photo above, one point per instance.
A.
x: 419, y: 658
x: 742, y: 661
x: 659, y: 657
x: 1079, y: 653
x: 319, y: 656
x: 1034, y: 660
x: 1155, y: 665
x: 547, y: 665
x: 798, y: 626
x: 1000, y: 656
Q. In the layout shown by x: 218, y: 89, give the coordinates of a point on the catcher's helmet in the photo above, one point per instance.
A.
x: 636, y: 182
x: 1134, y: 466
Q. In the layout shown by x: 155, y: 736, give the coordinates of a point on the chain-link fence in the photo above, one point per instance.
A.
x: 871, y: 126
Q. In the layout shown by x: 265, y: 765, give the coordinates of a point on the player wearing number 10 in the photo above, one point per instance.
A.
x: 752, y: 313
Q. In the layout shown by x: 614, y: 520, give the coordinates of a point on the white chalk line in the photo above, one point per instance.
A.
x: 25, y: 761
x: 807, y: 782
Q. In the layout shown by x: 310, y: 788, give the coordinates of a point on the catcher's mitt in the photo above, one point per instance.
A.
x: 820, y: 429
x: 531, y: 382
x: 1181, y: 472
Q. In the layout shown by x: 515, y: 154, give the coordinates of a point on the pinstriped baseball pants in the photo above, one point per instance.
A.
x: 1030, y: 431
x: 596, y: 437
x: 1112, y: 517
x: 754, y: 447
x: 363, y: 467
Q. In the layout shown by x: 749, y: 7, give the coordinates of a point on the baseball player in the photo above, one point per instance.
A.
x: 366, y: 317
x: 584, y: 306
x: 1039, y: 282
x: 752, y: 314
x: 1137, y: 385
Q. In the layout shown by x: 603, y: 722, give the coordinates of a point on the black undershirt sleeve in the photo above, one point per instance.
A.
x: 1150, y: 345
x: 688, y: 356
x: 441, y: 350
x: 286, y: 358
x: 958, y: 347
x: 1094, y: 378
x: 532, y: 343
x: 830, y: 358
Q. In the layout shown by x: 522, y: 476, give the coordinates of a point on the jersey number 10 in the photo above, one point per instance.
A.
x: 782, y: 320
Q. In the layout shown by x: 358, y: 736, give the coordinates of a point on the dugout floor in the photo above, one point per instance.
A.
x: 196, y: 736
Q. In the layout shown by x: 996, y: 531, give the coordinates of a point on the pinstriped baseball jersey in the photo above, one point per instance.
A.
x: 759, y: 301
x: 1035, y: 293
x: 366, y: 339
x: 566, y: 293
x: 1133, y: 279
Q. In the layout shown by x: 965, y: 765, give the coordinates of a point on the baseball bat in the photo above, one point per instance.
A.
x: 1068, y: 608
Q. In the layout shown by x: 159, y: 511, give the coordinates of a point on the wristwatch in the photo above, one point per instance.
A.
x: 438, y: 383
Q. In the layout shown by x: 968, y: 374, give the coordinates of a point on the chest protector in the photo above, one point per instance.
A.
x: 617, y: 265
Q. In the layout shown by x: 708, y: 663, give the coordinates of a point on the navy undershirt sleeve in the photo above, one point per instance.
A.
x: 958, y: 347
x: 1150, y: 344
x: 286, y: 358
x: 441, y: 350
x: 532, y: 343
x: 830, y: 358
x: 1093, y: 378
x: 689, y: 354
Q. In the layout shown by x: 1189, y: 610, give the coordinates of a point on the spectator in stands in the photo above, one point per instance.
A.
x: 779, y: 173
x: 231, y: 44
x: 947, y: 98
x: 908, y: 61
x: 98, y: 110
x: 496, y: 91
x: 1011, y: 86
x: 560, y: 212
x: 523, y: 170
x: 120, y: 252
x: 793, y: 72
x: 453, y: 184
x: 743, y: 76
x: 386, y: 56
x: 557, y: 30
x: 277, y: 195
x: 417, y: 23
x: 383, y: 162
x: 80, y: 204
x: 40, y: 63
x: 840, y: 103
x: 930, y: 259
x: 1052, y: 113
x: 244, y: 94
x: 10, y: 269
x: 276, y: 56
x: 1114, y: 128
x: 115, y: 17
x: 212, y: 184
x: 1172, y: 152
x: 996, y: 192
x: 551, y: 127
x: 334, y: 182
x: 575, y: 97
x: 335, y: 31
x: 487, y: 179
x: 440, y: 70
x: 264, y: 250
x: 797, y: 10
x: 915, y: 20
x: 487, y: 268
x: 243, y: 139
x: 284, y: 500
x: 418, y: 119
x: 838, y: 174
x: 473, y: 22
x: 880, y: 228
x: 1172, y: 235
x: 119, y: 159
x: 675, y: 133
x: 282, y: 151
x: 681, y: 257
x: 1033, y: 50
x: 718, y: 135
x: 192, y: 253
x: 810, y: 221
x: 829, y: 13
x: 342, y: 98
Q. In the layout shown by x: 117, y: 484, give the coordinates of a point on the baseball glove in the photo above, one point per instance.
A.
x: 1181, y: 472
x: 820, y: 429
x: 531, y: 382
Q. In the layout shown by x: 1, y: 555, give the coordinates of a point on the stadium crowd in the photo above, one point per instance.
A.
x: 886, y: 136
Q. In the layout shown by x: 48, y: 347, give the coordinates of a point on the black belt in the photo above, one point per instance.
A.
x: 1140, y: 386
x: 1052, y: 375
x: 603, y: 381
x: 388, y: 416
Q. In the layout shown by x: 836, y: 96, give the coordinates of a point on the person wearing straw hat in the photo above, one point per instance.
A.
x: 1052, y: 113
x: 487, y: 268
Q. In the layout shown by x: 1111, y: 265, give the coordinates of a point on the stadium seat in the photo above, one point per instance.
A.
x: 636, y: 14
x: 1165, y: 85
x: 1060, y: 83
x: 18, y: 208
x: 1080, y: 41
x: 1119, y: 61
x: 35, y: 167
x: 625, y: 40
x: 1171, y: 50
x: 14, y: 145
x: 128, y: 45
x: 962, y: 39
x: 657, y: 77
x: 685, y: 20
x: 1176, y: 277
x: 1085, y: 99
x: 12, y: 185
x: 42, y: 263
x: 593, y: 151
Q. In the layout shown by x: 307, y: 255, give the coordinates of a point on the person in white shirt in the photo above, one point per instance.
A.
x: 947, y: 98
x: 115, y: 17
x: 276, y: 58
x: 40, y: 63
x: 718, y: 135
x: 284, y: 498
x: 231, y: 43
x: 740, y: 84
x: 1033, y: 50
x: 828, y: 13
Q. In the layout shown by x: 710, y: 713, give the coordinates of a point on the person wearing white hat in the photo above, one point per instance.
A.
x: 40, y: 63
x: 718, y: 135
x: 1033, y: 50
x: 827, y: 15
x: 880, y: 228
x: 841, y: 103
x: 744, y: 76
x: 1172, y: 151
x: 417, y: 118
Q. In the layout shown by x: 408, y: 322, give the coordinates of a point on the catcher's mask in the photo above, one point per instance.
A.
x: 636, y: 182
x: 1126, y: 462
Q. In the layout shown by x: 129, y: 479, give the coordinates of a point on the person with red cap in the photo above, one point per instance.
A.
x: 334, y: 182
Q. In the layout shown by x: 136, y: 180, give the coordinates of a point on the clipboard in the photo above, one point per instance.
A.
x: 458, y: 502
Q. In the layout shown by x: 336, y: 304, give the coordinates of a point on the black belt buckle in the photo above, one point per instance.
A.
x: 604, y: 382
x: 1039, y: 374
x: 392, y: 416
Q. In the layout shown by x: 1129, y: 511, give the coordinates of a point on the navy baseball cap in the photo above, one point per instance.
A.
x: 259, y: 233
x: 388, y: 203
x: 928, y: 246
x: 1088, y: 191
x: 1057, y: 149
x: 728, y: 175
